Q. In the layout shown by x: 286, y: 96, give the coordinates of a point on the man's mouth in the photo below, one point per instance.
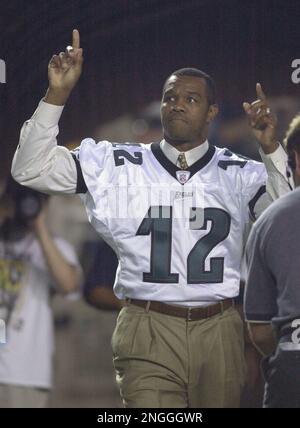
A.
x: 172, y: 118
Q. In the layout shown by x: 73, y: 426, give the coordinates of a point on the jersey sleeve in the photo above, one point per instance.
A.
x: 265, y: 182
x: 93, y: 159
x: 254, y: 191
x: 89, y: 159
x: 98, y: 173
x: 80, y: 182
x: 280, y: 180
x: 39, y: 162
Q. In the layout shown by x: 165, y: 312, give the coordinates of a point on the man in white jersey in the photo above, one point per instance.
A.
x: 175, y: 213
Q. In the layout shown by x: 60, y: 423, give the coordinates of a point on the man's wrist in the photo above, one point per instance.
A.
x: 56, y: 97
x: 270, y: 147
x: 41, y: 231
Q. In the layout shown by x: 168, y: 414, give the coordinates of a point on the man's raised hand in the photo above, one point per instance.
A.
x: 64, y: 71
x: 262, y: 121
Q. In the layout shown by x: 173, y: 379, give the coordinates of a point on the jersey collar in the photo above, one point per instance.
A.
x: 172, y: 169
x: 191, y: 156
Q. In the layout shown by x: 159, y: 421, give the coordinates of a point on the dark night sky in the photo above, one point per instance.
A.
x: 130, y: 47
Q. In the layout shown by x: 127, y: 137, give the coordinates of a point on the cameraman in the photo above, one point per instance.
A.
x: 33, y: 265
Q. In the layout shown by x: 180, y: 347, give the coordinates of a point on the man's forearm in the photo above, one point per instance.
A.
x: 270, y: 148
x: 66, y: 276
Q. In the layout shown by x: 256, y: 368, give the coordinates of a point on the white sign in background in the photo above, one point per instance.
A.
x: 295, y: 77
x: 2, y: 71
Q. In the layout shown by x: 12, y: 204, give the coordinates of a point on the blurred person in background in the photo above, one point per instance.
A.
x: 272, y: 296
x: 33, y: 267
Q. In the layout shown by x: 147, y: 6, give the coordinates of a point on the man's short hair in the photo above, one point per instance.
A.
x: 292, y: 137
x: 195, y: 72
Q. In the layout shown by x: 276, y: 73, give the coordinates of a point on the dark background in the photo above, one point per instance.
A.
x: 131, y: 46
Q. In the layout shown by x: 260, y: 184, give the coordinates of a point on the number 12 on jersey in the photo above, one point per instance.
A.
x: 160, y: 228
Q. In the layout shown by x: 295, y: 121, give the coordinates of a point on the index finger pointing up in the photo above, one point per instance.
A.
x: 260, y: 93
x: 75, y: 39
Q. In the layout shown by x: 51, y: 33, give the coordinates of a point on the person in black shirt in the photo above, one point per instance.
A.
x: 272, y: 298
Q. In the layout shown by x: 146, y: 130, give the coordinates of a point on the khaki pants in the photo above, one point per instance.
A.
x: 14, y: 396
x: 167, y: 362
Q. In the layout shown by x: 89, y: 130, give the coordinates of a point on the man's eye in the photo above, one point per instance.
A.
x: 192, y: 100
x: 169, y: 98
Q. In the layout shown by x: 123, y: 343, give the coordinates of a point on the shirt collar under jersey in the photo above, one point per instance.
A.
x: 191, y: 156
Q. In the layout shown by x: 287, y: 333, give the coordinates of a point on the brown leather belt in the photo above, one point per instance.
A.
x: 190, y: 314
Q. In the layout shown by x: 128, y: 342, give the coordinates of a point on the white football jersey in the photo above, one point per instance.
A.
x: 178, y: 234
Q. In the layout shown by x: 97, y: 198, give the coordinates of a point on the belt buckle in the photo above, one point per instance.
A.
x: 189, y: 314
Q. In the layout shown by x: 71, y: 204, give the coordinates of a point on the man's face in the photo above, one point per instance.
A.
x: 185, y: 111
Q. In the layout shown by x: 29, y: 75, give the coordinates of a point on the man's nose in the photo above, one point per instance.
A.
x: 178, y: 106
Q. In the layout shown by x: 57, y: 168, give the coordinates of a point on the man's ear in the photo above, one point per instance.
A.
x: 212, y: 112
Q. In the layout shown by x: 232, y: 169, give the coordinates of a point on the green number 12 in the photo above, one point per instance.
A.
x: 160, y: 228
